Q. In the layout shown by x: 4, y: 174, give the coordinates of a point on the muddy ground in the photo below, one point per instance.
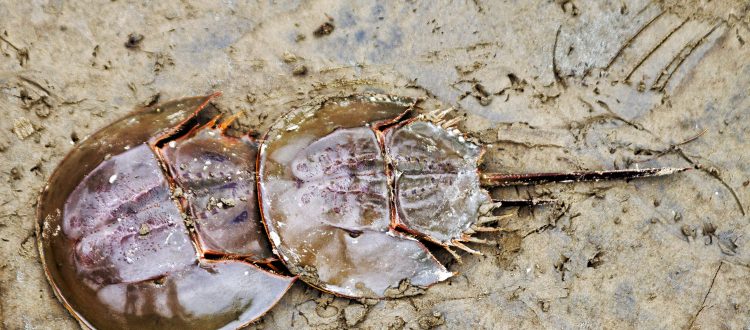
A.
x: 549, y: 85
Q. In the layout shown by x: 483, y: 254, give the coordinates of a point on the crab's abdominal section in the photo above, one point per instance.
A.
x: 126, y: 226
x: 325, y: 200
x: 117, y: 246
x: 437, y: 191
x: 215, y: 175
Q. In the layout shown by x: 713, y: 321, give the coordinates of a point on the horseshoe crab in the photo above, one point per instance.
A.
x: 155, y: 220
x: 151, y: 223
x: 349, y: 187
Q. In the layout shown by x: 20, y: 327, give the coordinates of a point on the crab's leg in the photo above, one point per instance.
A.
x: 503, y: 180
x: 463, y: 247
x: 454, y: 254
x: 225, y: 125
x: 488, y: 219
x: 523, y: 202
x: 481, y: 229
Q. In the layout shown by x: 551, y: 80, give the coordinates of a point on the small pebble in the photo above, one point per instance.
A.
x: 324, y: 29
x: 299, y: 70
x: 144, y: 230
x: 23, y: 128
x: 228, y: 202
x: 688, y: 230
x: 354, y: 314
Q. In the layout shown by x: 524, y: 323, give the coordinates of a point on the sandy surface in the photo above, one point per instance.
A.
x: 549, y: 85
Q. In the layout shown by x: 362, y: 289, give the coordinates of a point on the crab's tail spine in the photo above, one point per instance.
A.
x: 504, y: 180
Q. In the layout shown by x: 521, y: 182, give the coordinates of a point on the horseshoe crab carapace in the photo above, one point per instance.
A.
x: 348, y: 187
x: 152, y: 223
